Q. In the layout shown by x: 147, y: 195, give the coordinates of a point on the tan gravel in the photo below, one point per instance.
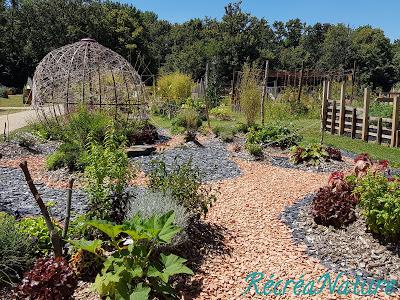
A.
x: 249, y: 208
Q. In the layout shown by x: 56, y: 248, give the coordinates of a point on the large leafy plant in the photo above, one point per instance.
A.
x: 275, y: 135
x: 135, y: 269
x: 183, y: 183
x: 314, y: 154
x: 107, y: 172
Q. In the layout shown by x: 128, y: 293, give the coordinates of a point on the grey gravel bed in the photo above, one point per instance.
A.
x: 16, y: 198
x: 352, y: 250
x: 9, y: 150
x: 212, y: 160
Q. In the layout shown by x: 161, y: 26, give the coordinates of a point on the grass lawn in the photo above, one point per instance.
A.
x: 12, y: 101
x: 310, y: 129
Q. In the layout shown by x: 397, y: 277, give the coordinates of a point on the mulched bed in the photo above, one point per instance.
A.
x: 10, y: 150
x: 213, y: 159
x: 16, y: 198
x: 352, y: 250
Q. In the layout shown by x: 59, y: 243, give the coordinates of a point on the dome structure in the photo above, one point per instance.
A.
x: 87, y: 73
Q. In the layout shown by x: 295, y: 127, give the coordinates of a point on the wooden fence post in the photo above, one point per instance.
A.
x: 324, y: 106
x: 353, y: 123
x: 333, y: 118
x: 342, y: 108
x: 395, y: 121
x: 365, y: 123
x: 328, y: 90
x: 379, y: 131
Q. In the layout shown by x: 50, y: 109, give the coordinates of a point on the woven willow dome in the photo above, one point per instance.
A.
x: 87, y: 73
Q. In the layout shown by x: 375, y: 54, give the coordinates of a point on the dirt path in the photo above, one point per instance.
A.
x: 18, y: 120
x: 249, y: 208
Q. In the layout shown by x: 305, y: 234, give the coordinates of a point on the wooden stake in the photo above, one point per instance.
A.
x: 333, y: 118
x: 264, y: 91
x: 300, y: 81
x: 68, y: 215
x: 365, y: 124
x: 353, y: 123
x: 379, y: 132
x: 323, y: 111
x: 342, y: 108
x: 54, y: 236
x: 395, y: 121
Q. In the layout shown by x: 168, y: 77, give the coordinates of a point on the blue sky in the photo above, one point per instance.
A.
x: 382, y: 14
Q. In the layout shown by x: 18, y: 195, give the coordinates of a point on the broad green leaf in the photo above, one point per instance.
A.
x: 173, y: 265
x: 83, y: 244
x: 140, y: 292
x: 168, y: 230
x: 108, y: 228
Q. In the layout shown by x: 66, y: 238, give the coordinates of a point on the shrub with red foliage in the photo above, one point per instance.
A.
x: 334, y: 153
x: 334, y: 204
x: 49, y: 279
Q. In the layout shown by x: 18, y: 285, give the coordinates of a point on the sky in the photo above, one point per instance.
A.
x: 377, y: 13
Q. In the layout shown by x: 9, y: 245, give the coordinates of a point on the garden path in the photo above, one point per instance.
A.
x: 249, y: 207
x: 18, y: 120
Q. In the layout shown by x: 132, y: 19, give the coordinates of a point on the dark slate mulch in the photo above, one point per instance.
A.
x: 16, y: 198
x: 352, y: 250
x: 212, y: 160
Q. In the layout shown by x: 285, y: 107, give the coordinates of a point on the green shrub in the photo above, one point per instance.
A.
x: 17, y: 250
x: 254, y: 149
x: 183, y: 183
x: 3, y: 92
x: 84, y: 123
x: 187, y: 118
x: 226, y: 136
x: 175, y: 86
x: 274, y: 135
x: 70, y: 155
x: 242, y: 128
x: 222, y: 112
x: 380, y: 202
x: 136, y: 269
x: 107, y: 173
x: 49, y: 130
x: 250, y: 94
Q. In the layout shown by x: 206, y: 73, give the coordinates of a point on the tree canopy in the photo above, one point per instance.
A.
x: 29, y: 29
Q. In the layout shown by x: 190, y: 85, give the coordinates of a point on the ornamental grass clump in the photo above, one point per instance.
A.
x: 17, y: 250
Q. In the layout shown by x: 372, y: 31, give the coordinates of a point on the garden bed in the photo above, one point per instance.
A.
x: 213, y: 159
x: 352, y: 250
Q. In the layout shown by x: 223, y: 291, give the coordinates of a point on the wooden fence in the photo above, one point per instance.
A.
x: 340, y: 119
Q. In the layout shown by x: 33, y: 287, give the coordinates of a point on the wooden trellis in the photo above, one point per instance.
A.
x: 340, y: 119
x: 87, y: 73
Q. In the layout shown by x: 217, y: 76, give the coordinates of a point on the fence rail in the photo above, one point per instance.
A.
x: 340, y: 119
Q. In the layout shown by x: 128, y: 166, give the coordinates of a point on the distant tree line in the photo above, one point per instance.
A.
x: 29, y: 29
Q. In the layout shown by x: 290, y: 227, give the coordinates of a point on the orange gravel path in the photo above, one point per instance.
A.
x: 249, y: 207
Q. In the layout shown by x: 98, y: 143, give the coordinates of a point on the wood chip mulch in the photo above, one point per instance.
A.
x: 249, y: 207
